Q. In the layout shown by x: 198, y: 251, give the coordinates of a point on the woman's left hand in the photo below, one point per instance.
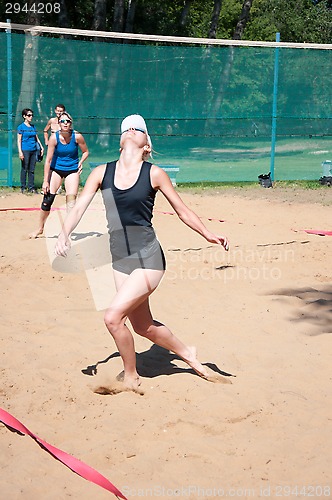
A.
x: 219, y: 240
x: 80, y: 168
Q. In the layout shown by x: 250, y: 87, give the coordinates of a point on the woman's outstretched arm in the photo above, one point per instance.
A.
x: 161, y: 181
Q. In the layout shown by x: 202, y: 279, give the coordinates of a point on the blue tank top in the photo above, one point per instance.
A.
x: 66, y: 154
x: 129, y: 211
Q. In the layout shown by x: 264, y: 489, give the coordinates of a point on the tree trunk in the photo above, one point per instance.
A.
x: 63, y: 18
x: 99, y: 18
x: 225, y: 77
x: 215, y: 19
x: 243, y: 19
x: 29, y: 74
x: 130, y: 16
x: 220, y: 92
x: 118, y: 18
x: 29, y: 68
x: 185, y: 13
x: 33, y: 18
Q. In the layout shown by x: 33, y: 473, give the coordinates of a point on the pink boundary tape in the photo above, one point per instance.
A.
x: 31, y: 209
x: 319, y: 233
x: 73, y: 463
x: 315, y: 231
x: 25, y: 209
x: 173, y: 213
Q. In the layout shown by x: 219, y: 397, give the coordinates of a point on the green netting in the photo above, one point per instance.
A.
x: 208, y: 108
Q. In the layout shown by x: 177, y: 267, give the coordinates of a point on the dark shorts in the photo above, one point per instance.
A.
x: 64, y: 173
x: 150, y: 257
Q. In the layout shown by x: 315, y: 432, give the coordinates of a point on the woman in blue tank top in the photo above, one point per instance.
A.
x: 62, y: 163
x: 128, y: 187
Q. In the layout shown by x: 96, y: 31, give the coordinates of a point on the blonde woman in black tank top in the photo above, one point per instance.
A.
x: 128, y: 187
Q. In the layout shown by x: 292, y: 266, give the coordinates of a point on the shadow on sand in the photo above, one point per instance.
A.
x: 315, y: 308
x: 154, y: 362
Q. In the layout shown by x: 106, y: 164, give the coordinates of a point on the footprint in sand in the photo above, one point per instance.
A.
x: 116, y: 387
x: 218, y: 379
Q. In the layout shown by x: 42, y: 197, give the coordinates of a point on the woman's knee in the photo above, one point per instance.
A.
x: 113, y: 320
x: 47, y: 202
x: 70, y: 201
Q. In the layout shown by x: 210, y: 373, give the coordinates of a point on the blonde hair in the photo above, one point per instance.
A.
x: 147, y: 154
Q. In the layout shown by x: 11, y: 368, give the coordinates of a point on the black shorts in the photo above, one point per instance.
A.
x: 150, y: 257
x: 64, y: 173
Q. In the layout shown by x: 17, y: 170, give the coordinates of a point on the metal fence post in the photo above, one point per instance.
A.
x: 9, y: 106
x: 274, y: 107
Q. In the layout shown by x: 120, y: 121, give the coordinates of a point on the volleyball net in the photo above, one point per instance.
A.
x: 211, y: 109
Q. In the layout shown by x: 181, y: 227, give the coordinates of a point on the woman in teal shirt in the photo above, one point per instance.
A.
x: 27, y: 140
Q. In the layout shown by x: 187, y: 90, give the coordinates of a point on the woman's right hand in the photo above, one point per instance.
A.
x: 62, y: 246
x: 46, y: 187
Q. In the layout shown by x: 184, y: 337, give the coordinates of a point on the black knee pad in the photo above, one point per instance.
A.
x: 47, y: 202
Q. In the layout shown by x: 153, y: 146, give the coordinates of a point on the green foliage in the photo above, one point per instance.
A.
x: 295, y: 20
x: 199, y: 19
x: 229, y: 16
x: 80, y: 13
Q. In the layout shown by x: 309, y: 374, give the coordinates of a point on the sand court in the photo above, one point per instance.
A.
x: 259, y: 315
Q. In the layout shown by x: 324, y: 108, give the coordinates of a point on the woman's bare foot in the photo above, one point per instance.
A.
x: 35, y: 234
x: 193, y: 362
x: 201, y: 370
x: 121, y: 384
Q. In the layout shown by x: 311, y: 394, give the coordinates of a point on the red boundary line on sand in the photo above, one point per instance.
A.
x: 315, y: 231
x: 73, y: 463
x: 31, y: 209
x: 173, y: 213
x: 25, y: 209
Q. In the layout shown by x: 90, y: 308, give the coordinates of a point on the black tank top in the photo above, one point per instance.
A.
x: 129, y: 211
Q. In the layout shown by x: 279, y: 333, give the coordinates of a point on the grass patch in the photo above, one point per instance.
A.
x: 304, y: 184
x: 295, y: 184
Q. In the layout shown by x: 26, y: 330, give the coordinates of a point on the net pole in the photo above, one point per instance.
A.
x: 9, y: 106
x: 274, y: 107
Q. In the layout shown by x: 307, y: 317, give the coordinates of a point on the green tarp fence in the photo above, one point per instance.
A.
x: 208, y: 108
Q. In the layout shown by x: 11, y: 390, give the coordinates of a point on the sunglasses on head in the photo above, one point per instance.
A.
x: 65, y: 121
x: 29, y: 114
x: 134, y: 128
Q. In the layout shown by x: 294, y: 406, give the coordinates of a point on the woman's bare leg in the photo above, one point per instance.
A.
x: 72, y: 183
x: 132, y: 301
x: 132, y: 290
x: 55, y: 182
x: 143, y: 324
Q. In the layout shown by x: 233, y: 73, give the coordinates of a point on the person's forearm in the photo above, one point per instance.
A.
x: 19, y: 146
x: 47, y: 170
x: 72, y: 220
x: 193, y: 221
x: 84, y: 156
x: 76, y: 214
